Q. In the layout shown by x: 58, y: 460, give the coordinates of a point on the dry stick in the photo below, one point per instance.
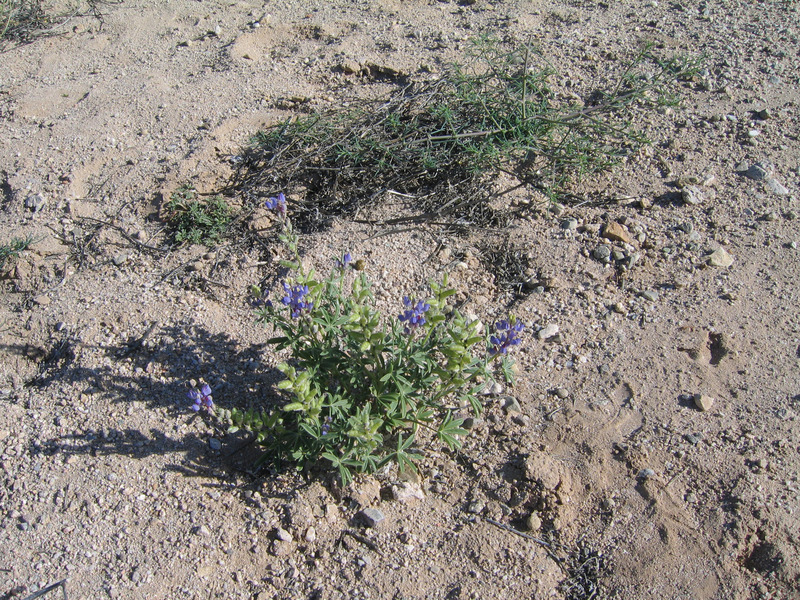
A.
x: 49, y: 588
x: 366, y: 541
x: 547, y: 547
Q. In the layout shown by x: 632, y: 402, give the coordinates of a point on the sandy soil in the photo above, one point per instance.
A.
x: 109, y: 480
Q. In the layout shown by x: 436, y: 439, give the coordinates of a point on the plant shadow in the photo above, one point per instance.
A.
x: 150, y: 373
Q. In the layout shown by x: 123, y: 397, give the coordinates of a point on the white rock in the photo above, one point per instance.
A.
x: 548, y: 331
x: 407, y: 493
x: 720, y: 258
x: 703, y: 402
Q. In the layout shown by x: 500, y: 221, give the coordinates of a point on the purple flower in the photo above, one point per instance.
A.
x: 345, y: 260
x: 326, y: 426
x: 201, y: 398
x: 278, y: 204
x: 414, y: 316
x: 295, y: 299
x: 506, y: 336
x: 260, y: 298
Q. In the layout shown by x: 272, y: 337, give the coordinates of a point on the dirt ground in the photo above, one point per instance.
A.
x: 650, y: 446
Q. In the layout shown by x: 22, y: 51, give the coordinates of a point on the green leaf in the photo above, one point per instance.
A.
x: 294, y: 406
x: 278, y: 340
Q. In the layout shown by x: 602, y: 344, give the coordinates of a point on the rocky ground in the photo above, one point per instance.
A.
x: 649, y: 449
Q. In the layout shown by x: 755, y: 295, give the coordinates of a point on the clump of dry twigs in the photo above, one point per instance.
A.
x: 22, y: 21
x: 437, y: 143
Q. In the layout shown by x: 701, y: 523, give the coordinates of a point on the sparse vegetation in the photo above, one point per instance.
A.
x: 196, y: 220
x: 439, y: 140
x: 22, y: 21
x: 13, y: 249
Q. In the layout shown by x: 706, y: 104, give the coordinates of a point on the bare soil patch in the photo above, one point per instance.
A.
x: 650, y: 445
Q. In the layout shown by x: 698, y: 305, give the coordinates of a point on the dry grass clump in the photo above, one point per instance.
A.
x: 438, y: 143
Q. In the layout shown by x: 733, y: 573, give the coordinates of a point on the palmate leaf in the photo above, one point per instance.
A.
x: 450, y: 430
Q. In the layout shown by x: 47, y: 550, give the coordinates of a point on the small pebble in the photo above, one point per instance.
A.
x: 372, y: 517
x: 645, y: 474
x: 692, y: 195
x: 703, y: 402
x: 760, y: 170
x: 511, y: 405
x: 476, y: 506
x: 650, y: 295
x: 694, y: 438
x: 36, y: 202
x: 533, y: 522
x: 214, y: 444
x: 720, y: 258
x: 569, y: 224
x: 602, y: 252
x: 548, y: 331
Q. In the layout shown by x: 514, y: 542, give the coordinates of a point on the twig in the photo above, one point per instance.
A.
x: 360, y: 538
x: 548, y: 548
x: 49, y: 588
x: 527, y: 536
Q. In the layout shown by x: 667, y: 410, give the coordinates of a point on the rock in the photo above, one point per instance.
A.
x: 562, y: 393
x: 692, y: 195
x: 372, y: 517
x: 694, y: 438
x: 511, y: 405
x: 214, y: 444
x: 120, y: 259
x: 365, y: 491
x: 760, y: 170
x: 521, y: 420
x: 471, y: 423
x: 645, y: 474
x: 650, y: 295
x: 720, y: 258
x: 602, y: 253
x: 36, y: 202
x: 42, y: 300
x: 203, y: 531
x: 617, y: 233
x: 280, y: 548
x: 476, y: 507
x: 495, y: 389
x: 703, y: 402
x: 548, y: 331
x: 533, y: 522
x: 311, y: 535
x: 776, y: 187
x: 407, y: 493
x: 350, y: 67
x: 283, y: 535
x: 569, y: 224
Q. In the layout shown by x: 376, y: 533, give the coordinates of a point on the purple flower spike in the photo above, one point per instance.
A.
x: 506, y: 336
x: 295, y: 299
x: 277, y: 204
x: 414, y: 316
x: 201, y: 398
x: 345, y: 260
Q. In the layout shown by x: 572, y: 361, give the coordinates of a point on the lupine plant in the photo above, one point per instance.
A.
x: 359, y: 388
